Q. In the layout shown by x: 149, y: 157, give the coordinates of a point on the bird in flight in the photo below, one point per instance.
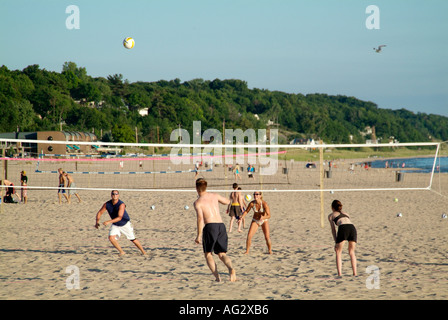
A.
x: 379, y: 48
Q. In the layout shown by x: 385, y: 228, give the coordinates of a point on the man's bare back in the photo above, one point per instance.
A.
x: 236, y: 197
x: 207, y: 206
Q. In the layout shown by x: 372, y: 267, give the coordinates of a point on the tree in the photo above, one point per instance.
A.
x: 123, y: 133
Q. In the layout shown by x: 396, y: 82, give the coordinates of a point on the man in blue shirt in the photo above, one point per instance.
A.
x: 120, y: 222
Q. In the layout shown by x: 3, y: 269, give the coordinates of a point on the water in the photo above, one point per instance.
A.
x: 421, y: 164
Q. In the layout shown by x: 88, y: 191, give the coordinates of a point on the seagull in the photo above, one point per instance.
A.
x: 379, y: 48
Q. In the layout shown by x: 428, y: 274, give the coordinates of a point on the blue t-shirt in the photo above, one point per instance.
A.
x: 113, y: 212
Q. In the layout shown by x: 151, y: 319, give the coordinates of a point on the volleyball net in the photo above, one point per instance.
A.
x: 149, y: 167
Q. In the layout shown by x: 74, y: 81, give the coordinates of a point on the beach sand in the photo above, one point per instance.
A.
x: 42, y: 242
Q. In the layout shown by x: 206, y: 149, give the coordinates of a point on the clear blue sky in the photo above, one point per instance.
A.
x: 294, y: 46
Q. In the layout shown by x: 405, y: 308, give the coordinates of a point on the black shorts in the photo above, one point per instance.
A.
x: 214, y: 238
x: 235, y: 211
x: 346, y: 232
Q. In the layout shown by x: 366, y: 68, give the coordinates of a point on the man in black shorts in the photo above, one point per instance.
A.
x: 211, y: 229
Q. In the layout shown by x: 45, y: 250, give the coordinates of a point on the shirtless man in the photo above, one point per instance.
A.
x: 235, y: 207
x: 211, y: 229
x: 71, y: 184
x: 61, y: 185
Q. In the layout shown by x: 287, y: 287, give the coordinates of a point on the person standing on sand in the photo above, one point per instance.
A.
x: 235, y: 206
x: 261, y: 217
x: 211, y: 230
x: 346, y: 231
x: 71, y: 184
x: 61, y: 185
x: 24, y: 183
x: 120, y: 222
x: 236, y: 172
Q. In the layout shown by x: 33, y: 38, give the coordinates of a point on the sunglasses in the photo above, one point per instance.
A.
x: 257, y: 194
x: 114, y: 193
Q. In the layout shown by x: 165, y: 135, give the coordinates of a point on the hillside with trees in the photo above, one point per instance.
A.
x: 35, y: 99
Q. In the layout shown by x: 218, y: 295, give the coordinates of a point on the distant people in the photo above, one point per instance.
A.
x: 10, y: 192
x: 120, y: 222
x: 211, y: 230
x: 70, y: 187
x: 310, y: 165
x: 196, y: 169
x: 235, y: 206
x: 24, y: 183
x: 242, y: 221
x: 236, y: 172
x: 346, y: 232
x: 352, y: 167
x: 250, y: 171
x: 61, y: 185
x: 261, y: 216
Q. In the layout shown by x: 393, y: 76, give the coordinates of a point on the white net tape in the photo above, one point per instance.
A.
x: 276, y: 168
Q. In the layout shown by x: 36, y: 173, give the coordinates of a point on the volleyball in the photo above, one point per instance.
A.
x: 186, y: 208
x: 399, y: 215
x: 128, y: 43
x: 248, y: 197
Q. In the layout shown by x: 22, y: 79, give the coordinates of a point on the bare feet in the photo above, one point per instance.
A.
x: 232, y: 275
x: 217, y: 277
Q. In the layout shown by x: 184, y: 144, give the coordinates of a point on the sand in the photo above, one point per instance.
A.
x: 42, y: 242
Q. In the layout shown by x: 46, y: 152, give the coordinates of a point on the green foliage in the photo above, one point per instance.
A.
x: 36, y: 99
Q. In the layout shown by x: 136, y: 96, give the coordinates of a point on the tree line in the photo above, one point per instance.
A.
x: 35, y: 99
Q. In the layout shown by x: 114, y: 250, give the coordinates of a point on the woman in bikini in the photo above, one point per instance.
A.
x: 346, y: 231
x: 261, y: 217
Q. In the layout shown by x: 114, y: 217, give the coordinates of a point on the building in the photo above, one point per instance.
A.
x: 34, y: 149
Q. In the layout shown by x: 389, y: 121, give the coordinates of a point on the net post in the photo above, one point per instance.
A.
x: 434, y: 166
x: 321, y: 160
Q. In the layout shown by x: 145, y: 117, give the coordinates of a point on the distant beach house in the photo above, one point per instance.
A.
x: 70, y: 147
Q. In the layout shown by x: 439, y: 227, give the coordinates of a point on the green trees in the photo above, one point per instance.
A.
x: 36, y: 99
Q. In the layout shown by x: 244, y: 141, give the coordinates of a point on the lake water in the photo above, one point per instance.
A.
x: 423, y: 164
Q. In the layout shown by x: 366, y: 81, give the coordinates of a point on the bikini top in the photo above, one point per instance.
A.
x: 335, y: 220
x: 261, y: 209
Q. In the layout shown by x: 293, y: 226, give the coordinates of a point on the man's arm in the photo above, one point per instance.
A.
x: 99, y: 214
x: 222, y: 199
x: 200, y: 222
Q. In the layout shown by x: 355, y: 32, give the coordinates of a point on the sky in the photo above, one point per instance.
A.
x: 293, y: 46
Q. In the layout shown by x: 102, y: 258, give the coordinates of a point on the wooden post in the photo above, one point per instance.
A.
x: 321, y: 153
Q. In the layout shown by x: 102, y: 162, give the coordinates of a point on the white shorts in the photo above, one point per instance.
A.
x: 127, y: 230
